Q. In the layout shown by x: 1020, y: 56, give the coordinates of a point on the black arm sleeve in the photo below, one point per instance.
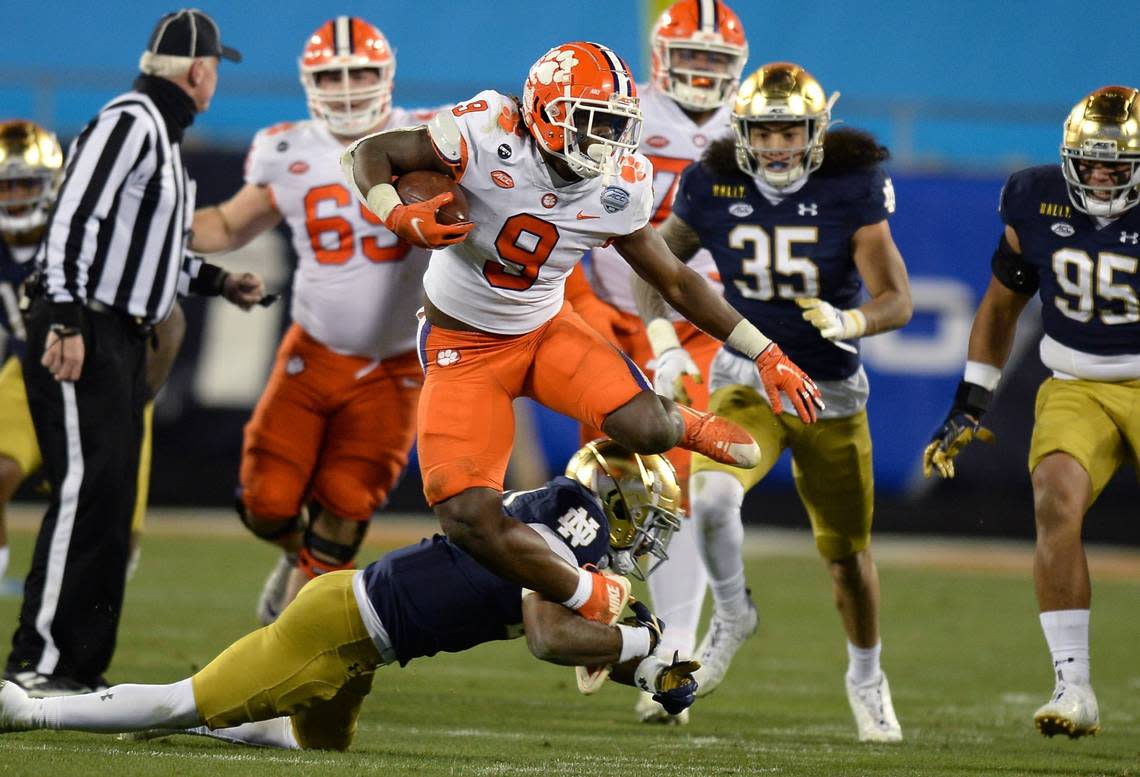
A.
x: 1011, y: 269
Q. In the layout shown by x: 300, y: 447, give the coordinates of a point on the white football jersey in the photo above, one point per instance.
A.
x: 508, y: 276
x: 672, y: 141
x: 356, y: 288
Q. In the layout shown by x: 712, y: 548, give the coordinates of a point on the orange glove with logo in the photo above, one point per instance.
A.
x: 779, y: 373
x: 416, y: 223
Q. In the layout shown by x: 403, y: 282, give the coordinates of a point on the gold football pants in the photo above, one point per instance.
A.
x: 315, y: 663
x: 831, y: 464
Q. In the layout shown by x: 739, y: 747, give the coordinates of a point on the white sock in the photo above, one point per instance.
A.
x: 120, y: 708
x: 715, y: 498
x: 863, y: 664
x: 1067, y: 633
x: 582, y: 592
x: 3, y: 561
x: 275, y: 732
x: 677, y: 590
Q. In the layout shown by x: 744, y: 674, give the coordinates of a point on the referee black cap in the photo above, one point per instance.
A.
x: 189, y: 33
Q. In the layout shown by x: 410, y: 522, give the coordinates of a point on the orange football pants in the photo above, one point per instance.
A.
x: 466, y: 420
x: 701, y: 347
x: 329, y: 427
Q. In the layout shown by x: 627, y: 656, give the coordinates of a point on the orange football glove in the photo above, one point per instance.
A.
x: 416, y: 224
x: 779, y: 373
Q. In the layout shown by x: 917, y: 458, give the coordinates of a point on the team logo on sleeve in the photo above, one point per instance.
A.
x: 578, y: 528
x: 295, y: 365
x: 615, y: 199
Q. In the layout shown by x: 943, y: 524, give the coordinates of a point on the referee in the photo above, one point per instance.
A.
x: 113, y: 262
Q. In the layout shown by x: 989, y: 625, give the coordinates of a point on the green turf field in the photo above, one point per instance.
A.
x: 962, y: 648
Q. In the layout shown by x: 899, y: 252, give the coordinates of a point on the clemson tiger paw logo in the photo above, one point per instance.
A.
x: 446, y: 357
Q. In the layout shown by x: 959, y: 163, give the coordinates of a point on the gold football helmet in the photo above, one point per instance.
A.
x: 781, y: 93
x: 31, y: 167
x: 641, y: 499
x: 1103, y: 130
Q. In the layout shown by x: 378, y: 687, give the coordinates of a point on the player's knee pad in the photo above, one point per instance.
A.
x: 269, y: 530
x: 715, y: 498
x: 319, y: 555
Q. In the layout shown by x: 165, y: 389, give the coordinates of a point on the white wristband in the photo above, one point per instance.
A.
x: 381, y: 199
x: 634, y: 642
x: 747, y: 339
x: 662, y: 336
x: 982, y: 374
x: 650, y: 668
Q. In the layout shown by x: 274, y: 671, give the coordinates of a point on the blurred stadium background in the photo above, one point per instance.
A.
x: 961, y: 92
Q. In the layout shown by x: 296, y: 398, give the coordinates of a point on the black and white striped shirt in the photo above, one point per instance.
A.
x: 119, y: 230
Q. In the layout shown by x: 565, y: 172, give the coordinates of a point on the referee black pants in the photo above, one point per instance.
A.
x: 89, y: 433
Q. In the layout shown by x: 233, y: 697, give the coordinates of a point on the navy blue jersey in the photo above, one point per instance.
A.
x: 12, y: 274
x: 433, y: 596
x: 768, y: 255
x: 1090, y: 286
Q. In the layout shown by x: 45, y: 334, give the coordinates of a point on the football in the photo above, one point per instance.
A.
x: 421, y: 185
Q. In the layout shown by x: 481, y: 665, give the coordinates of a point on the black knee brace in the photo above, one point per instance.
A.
x: 288, y: 526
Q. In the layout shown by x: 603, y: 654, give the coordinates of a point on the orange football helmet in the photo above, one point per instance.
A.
x: 31, y: 168
x: 699, y: 51
x: 334, y: 71
x: 580, y: 104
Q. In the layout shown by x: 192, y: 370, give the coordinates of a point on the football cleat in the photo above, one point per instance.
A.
x: 874, y: 713
x: 718, y: 438
x: 720, y: 644
x: 13, y: 704
x: 1072, y: 710
x: 650, y: 711
x: 605, y: 605
x: 608, y: 598
x: 272, y: 599
x: 42, y: 686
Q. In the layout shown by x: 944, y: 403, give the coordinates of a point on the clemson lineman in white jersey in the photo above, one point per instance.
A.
x: 337, y: 418
x: 699, y: 50
x: 546, y: 179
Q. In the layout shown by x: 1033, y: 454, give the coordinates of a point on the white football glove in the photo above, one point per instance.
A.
x: 671, y: 362
x: 832, y: 323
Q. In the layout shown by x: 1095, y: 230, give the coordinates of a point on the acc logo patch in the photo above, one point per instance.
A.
x: 446, y: 357
x: 740, y: 209
x: 295, y: 365
x: 502, y: 180
x: 1062, y: 229
x: 657, y: 141
x: 299, y: 167
x: 549, y: 200
x: 615, y: 198
x: 504, y: 151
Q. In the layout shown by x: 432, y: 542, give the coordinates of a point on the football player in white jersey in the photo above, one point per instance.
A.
x: 337, y: 418
x: 546, y: 178
x: 699, y: 50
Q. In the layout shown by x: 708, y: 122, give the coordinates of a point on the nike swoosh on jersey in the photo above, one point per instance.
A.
x: 582, y: 216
